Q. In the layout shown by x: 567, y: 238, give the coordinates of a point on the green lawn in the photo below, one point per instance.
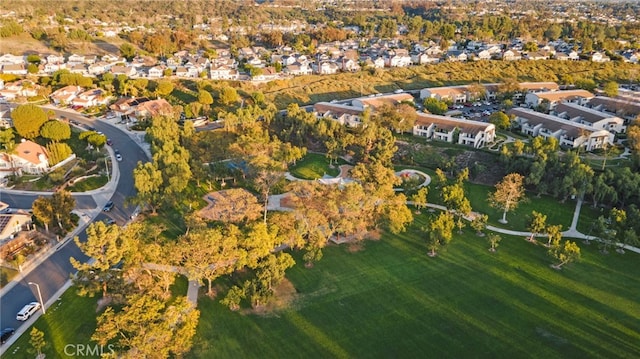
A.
x: 71, y: 320
x: 557, y: 213
x: 393, y: 301
x: 313, y: 166
x: 88, y: 184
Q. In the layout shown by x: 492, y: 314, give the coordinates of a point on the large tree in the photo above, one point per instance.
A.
x: 107, y: 248
x: 147, y: 179
x: 208, y: 253
x: 148, y: 328
x: 500, y: 120
x: 55, y: 131
x: 28, y: 119
x: 435, y: 106
x: 509, y: 193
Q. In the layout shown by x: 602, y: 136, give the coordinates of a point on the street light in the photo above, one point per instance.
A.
x: 39, y: 295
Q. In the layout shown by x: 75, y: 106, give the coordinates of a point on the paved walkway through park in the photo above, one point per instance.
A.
x: 194, y: 284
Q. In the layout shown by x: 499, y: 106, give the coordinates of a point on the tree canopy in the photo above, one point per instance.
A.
x: 28, y: 119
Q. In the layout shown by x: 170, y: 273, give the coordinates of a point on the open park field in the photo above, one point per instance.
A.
x: 389, y: 299
x: 392, y: 300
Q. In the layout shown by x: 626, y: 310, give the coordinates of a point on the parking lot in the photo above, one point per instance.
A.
x: 477, y: 111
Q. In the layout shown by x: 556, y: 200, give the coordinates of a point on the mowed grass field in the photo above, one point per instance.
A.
x: 390, y: 300
x: 313, y: 166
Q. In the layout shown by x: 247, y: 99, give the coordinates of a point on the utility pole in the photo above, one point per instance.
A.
x: 39, y: 295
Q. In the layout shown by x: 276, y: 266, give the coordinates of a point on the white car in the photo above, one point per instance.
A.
x: 27, y: 311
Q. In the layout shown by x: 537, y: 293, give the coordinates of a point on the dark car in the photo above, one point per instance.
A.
x: 108, y: 206
x: 109, y: 142
x: 6, y: 334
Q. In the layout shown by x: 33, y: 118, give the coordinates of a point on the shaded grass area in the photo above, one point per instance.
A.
x: 313, y: 166
x: 392, y: 300
x: 88, y: 184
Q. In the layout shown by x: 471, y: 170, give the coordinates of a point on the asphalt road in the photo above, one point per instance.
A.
x: 56, y: 270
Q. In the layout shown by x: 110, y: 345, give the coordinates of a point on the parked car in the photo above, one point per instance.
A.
x: 118, y: 155
x: 109, y: 142
x: 6, y: 334
x: 108, y: 206
x: 109, y: 221
x: 27, y: 311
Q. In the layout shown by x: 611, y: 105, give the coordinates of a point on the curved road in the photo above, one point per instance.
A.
x: 53, y: 272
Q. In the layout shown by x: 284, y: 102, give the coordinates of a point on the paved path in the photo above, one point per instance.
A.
x: 194, y: 284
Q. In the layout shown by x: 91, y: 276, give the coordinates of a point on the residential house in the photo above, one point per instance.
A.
x: 443, y: 128
x: 111, y: 58
x: 194, y: 71
x: 20, y: 88
x: 631, y: 56
x: 494, y: 49
x: 434, y: 51
x: 223, y: 72
x: 552, y: 98
x: 537, y: 55
x: 126, y: 106
x: 153, y: 108
x: 10, y: 225
x: 325, y: 68
x: 14, y: 69
x: 92, y: 97
x: 569, y: 134
x: 173, y: 62
x: 99, y: 68
x: 599, y: 57
x: 90, y: 59
x: 75, y: 59
x: 55, y: 59
x: 9, y: 59
x: 348, y: 65
x: 457, y: 55
x: 397, y: 61
x: 65, y: 95
x: 567, y: 56
x: 298, y: 69
x: 482, y: 55
x: 51, y: 67
x: 128, y: 71
x: 256, y: 62
x: 512, y: 55
x: 267, y: 74
x: 527, y: 87
x: 79, y: 69
x: 343, y: 114
x: 27, y: 158
x: 156, y: 72
x: 590, y: 117
x: 182, y: 71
